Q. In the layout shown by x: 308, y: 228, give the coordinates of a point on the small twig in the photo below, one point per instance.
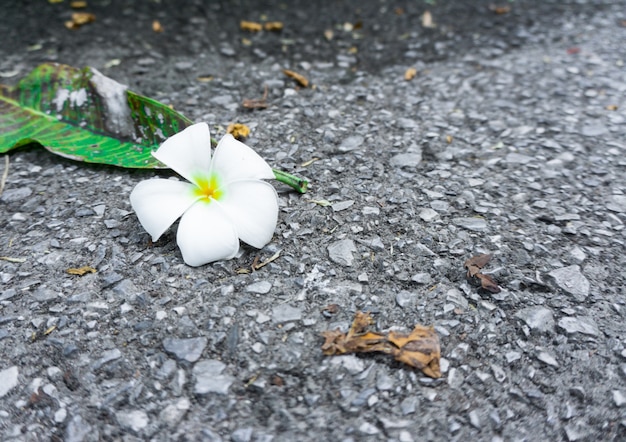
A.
x: 274, y: 257
x: 256, y: 104
x: 5, y: 173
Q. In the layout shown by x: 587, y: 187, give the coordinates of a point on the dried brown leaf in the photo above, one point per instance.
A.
x: 156, y: 26
x: 251, y: 26
x: 79, y: 4
x: 488, y: 283
x: 82, y: 18
x: 500, y: 9
x: 80, y: 271
x: 273, y: 26
x: 238, y: 130
x: 419, y: 349
x: 410, y: 74
x: 475, y: 263
x: 301, y: 79
x: 256, y: 104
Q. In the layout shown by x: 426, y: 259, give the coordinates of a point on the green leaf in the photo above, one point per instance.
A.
x: 83, y: 115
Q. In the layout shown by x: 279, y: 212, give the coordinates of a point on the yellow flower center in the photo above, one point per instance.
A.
x: 208, y: 189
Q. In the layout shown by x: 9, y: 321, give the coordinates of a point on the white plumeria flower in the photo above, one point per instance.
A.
x: 223, y: 202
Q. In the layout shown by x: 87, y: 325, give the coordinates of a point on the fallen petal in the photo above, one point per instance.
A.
x: 235, y: 161
x: 158, y: 203
x: 206, y: 234
x: 252, y: 205
x: 188, y: 152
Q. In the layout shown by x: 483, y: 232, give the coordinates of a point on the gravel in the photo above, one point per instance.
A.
x: 509, y: 141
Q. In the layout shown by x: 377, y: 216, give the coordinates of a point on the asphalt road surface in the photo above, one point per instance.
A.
x: 508, y: 138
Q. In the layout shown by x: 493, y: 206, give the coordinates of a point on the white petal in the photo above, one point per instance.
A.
x: 206, y: 234
x: 188, y: 152
x: 234, y: 161
x: 252, y: 205
x: 158, y: 203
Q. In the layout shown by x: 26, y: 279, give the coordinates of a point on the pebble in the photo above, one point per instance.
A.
x: 351, y: 143
x: 8, y: 380
x: 410, y: 160
x: 351, y: 363
x: 368, y: 429
x: 107, y: 356
x: 617, y: 203
x: 595, y: 129
x: 579, y: 324
x: 242, y: 435
x: 548, y: 359
x: 455, y: 378
x: 571, y: 281
x: 260, y: 287
x: 286, y: 313
x: 173, y: 413
x: 409, y: 405
x: 210, y: 379
x: 619, y: 398
x: 77, y: 430
x: 189, y: 349
x: 538, y: 318
x: 342, y: 205
x: 340, y: 252
x: 12, y: 195
x: 405, y: 298
x: 473, y: 224
x: 427, y: 214
x: 421, y: 278
x: 135, y: 420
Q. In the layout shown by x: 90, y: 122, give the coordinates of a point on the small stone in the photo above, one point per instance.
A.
x: 173, y: 413
x: 12, y: 195
x: 107, y: 356
x: 185, y: 349
x: 405, y: 298
x: 286, y: 313
x: 340, y: 252
x: 77, y: 430
x: 473, y: 224
x: 409, y: 159
x: 548, y: 359
x: 368, y: 428
x: 421, y: 278
x: 577, y: 255
x: 351, y: 363
x: 351, y: 143
x: 342, y: 205
x: 617, y: 203
x: 409, y: 405
x: 594, y: 129
x: 427, y: 214
x: 455, y: 378
x: 384, y: 382
x: 579, y: 324
x: 456, y: 297
x: 537, y: 318
x: 517, y: 158
x: 135, y: 420
x: 60, y: 415
x: 571, y: 281
x: 260, y: 287
x: 242, y: 435
x: 209, y: 377
x: 8, y: 380
x: 619, y: 398
x: 475, y: 419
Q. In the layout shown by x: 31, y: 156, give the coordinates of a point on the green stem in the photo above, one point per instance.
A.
x: 298, y: 184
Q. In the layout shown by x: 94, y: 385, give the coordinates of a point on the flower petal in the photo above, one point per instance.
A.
x: 252, y: 205
x: 234, y: 161
x: 158, y: 203
x: 206, y: 234
x: 188, y: 152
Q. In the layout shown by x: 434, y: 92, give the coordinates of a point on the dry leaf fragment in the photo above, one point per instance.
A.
x: 410, y: 74
x: 256, y: 104
x: 156, y: 26
x: 309, y: 162
x: 80, y: 271
x: 301, y: 79
x: 474, y: 266
x: 238, y: 130
x: 612, y: 107
x: 14, y: 260
x: 251, y: 26
x: 78, y: 4
x: 427, y: 20
x: 419, y: 349
x: 329, y: 34
x: 273, y: 26
x: 79, y: 19
x: 500, y: 9
x: 258, y: 265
